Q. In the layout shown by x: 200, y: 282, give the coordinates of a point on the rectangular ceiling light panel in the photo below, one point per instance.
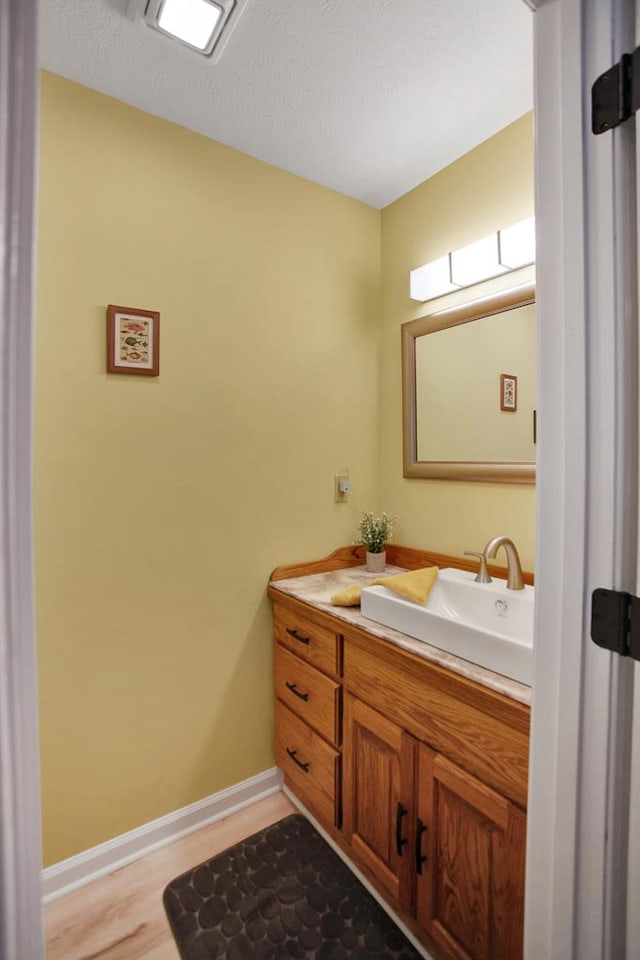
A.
x: 196, y: 23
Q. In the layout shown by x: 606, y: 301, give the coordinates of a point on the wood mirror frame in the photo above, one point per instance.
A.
x: 504, y: 471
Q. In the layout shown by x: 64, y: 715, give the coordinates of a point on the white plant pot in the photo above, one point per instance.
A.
x: 376, y: 562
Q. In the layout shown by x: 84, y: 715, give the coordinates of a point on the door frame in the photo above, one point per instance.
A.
x: 21, y: 933
x: 578, y: 688
x: 587, y: 506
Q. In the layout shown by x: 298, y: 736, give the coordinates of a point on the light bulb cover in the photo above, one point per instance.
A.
x: 477, y: 261
x: 518, y: 244
x: 431, y: 280
x: 198, y: 24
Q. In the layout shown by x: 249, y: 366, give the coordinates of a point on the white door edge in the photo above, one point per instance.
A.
x: 586, y: 504
x: 21, y: 934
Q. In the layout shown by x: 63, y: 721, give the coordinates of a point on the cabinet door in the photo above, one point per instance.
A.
x: 470, y: 886
x: 379, y: 759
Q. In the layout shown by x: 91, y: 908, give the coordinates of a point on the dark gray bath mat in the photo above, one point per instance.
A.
x: 280, y: 895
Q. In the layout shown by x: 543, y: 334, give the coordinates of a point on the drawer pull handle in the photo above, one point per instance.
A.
x: 421, y: 828
x: 298, y: 636
x: 294, y: 756
x: 400, y: 840
x: 296, y: 692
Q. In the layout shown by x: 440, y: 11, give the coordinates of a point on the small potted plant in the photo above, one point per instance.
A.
x: 374, y: 532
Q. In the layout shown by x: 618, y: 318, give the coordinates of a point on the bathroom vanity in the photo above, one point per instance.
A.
x: 412, y: 759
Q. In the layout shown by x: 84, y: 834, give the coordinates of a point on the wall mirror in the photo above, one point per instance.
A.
x: 468, y: 385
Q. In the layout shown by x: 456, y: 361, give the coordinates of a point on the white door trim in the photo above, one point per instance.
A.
x: 20, y: 858
x: 587, y: 491
x: 561, y: 459
x: 633, y: 889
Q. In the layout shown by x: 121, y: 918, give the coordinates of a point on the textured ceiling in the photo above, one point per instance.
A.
x: 369, y: 97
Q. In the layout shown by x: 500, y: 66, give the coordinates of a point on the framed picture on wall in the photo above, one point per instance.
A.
x: 508, y: 392
x: 133, y: 341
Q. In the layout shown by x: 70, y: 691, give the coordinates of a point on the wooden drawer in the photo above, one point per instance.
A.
x: 482, y: 731
x: 309, y: 693
x: 308, y: 640
x: 309, y: 762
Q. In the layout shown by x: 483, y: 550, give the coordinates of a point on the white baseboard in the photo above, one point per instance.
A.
x: 363, y: 880
x: 69, y: 875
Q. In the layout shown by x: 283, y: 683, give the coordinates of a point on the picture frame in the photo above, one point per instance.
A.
x: 133, y: 341
x: 508, y: 393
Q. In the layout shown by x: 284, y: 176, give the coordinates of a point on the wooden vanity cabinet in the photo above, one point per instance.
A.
x: 447, y: 845
x: 378, y: 790
x: 315, y: 697
x: 469, y: 861
x: 308, y: 714
x: 417, y: 772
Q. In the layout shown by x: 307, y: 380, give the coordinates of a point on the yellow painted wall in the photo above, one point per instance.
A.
x: 162, y: 505
x: 489, y: 188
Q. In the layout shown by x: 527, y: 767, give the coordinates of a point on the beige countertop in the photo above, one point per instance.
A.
x: 317, y: 590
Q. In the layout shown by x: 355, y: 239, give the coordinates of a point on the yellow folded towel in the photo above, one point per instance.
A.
x: 415, y: 585
x: 349, y: 597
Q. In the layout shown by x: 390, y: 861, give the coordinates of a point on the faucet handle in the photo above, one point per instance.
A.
x: 483, y: 574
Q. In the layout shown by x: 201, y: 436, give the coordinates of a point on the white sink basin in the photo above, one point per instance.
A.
x: 481, y: 622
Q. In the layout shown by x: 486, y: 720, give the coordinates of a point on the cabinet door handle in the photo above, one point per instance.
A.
x: 400, y: 840
x: 294, y: 756
x: 298, y: 636
x: 421, y: 828
x: 296, y: 692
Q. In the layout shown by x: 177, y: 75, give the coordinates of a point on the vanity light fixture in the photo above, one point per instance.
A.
x: 518, y: 244
x: 198, y: 24
x: 477, y: 262
x: 432, y: 280
x: 503, y: 251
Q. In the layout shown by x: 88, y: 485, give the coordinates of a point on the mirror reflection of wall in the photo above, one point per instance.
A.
x: 458, y: 390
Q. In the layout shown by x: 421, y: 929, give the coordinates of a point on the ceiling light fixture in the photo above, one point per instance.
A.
x: 198, y: 24
x: 192, y: 21
x: 508, y: 249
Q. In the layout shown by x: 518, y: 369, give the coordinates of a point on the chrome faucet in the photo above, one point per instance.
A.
x: 514, y: 569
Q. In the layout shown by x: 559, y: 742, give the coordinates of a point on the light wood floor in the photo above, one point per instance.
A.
x: 121, y: 917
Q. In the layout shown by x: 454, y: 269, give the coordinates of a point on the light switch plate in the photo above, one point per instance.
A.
x: 340, y: 496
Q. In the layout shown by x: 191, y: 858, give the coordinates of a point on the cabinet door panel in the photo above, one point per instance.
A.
x: 378, y: 789
x: 470, y: 894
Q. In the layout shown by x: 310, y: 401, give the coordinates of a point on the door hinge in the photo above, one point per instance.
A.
x: 615, y: 622
x: 615, y: 96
